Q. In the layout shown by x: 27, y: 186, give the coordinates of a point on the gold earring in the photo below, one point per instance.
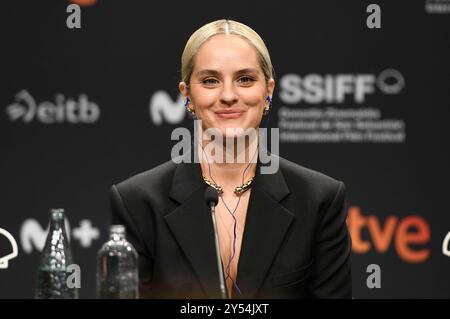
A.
x: 192, y: 111
x: 267, y: 108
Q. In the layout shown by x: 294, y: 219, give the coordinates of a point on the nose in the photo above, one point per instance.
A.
x: 228, y: 96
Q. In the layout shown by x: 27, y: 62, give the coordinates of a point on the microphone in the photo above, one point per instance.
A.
x: 211, y: 199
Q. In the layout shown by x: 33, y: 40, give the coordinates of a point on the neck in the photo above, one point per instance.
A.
x: 229, y: 164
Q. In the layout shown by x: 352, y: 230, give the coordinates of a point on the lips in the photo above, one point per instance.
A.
x: 229, y: 114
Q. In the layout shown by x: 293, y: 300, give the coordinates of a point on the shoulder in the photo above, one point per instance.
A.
x: 313, y: 184
x: 158, y: 179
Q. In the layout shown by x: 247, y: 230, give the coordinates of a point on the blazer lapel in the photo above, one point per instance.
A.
x: 266, y: 225
x: 192, y: 226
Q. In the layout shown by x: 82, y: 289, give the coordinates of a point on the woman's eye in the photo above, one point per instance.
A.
x: 210, y: 81
x: 245, y: 80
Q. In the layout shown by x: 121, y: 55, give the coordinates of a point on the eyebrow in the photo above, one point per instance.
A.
x: 215, y: 72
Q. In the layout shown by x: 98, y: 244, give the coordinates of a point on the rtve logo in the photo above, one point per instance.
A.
x: 409, y: 235
x: 46, y: 112
x: 84, y: 3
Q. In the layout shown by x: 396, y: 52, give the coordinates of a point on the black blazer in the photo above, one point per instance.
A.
x: 295, y: 243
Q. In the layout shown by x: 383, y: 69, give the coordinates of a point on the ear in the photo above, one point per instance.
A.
x: 183, y: 89
x: 270, y: 87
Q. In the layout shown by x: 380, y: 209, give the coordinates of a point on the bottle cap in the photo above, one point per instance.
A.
x: 117, y: 229
x: 57, y: 214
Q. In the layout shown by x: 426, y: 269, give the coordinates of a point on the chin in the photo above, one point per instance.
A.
x: 230, y: 125
x: 241, y: 130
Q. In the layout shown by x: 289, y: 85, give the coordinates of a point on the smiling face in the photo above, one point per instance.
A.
x: 227, y: 86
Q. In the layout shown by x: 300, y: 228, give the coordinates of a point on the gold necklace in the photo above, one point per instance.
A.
x: 238, y: 189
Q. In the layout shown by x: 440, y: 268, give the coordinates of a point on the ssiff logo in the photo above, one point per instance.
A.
x: 13, y: 254
x: 338, y: 88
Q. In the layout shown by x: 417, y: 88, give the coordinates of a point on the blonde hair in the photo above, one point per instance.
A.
x: 224, y: 26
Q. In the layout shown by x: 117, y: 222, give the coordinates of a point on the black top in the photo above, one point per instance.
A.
x: 295, y: 241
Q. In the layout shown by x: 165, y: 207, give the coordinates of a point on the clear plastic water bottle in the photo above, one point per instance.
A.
x: 53, y: 275
x: 117, y: 267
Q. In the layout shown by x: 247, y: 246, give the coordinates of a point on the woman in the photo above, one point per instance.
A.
x: 281, y: 235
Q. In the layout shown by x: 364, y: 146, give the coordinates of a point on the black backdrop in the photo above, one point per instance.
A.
x: 109, y: 91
